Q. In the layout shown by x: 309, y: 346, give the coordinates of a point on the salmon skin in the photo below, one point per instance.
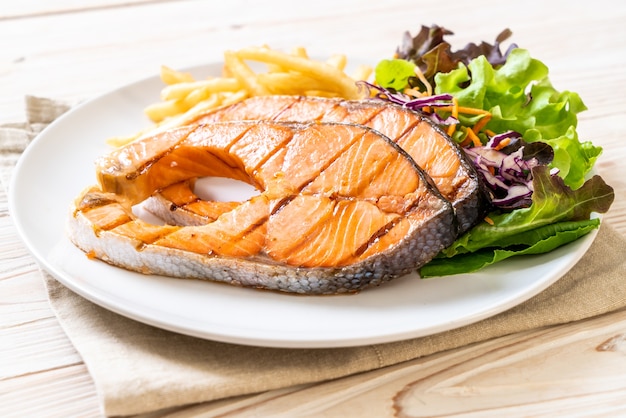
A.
x: 434, y: 151
x: 340, y: 207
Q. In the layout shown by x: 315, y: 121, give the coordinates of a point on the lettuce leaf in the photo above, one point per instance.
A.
x: 557, y: 216
x: 521, y: 98
x: 394, y: 73
x: 536, y: 241
x: 552, y: 202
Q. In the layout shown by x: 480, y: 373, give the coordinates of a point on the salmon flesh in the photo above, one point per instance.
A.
x: 435, y: 152
x: 340, y: 207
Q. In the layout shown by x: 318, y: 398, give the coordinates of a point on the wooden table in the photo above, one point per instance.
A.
x: 76, y: 50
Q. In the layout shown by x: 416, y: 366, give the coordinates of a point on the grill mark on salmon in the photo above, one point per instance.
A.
x: 310, y: 230
x: 441, y: 158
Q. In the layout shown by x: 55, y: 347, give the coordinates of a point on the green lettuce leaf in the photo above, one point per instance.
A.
x: 552, y: 202
x: 521, y: 98
x: 573, y: 158
x: 394, y: 73
x: 537, y: 241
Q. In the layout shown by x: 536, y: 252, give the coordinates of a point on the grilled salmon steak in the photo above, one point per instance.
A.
x: 340, y: 207
x: 437, y: 154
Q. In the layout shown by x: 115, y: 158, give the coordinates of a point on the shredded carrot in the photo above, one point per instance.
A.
x: 490, y: 132
x: 472, y: 111
x: 489, y: 221
x: 481, y: 123
x: 455, y: 110
x: 474, y: 138
x: 503, y: 143
x: 455, y: 114
x: 464, y: 110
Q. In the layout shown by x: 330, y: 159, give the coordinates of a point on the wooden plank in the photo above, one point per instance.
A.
x: 35, y: 346
x: 62, y: 392
x: 37, y: 8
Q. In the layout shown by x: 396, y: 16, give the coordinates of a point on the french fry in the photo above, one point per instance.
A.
x: 289, y: 83
x: 338, y: 61
x: 161, y: 110
x: 235, y: 98
x: 184, y: 117
x: 300, y: 51
x: 297, y: 51
x: 171, y: 76
x: 362, y: 72
x: 212, y: 85
x: 196, y: 96
x: 184, y: 99
x: 118, y: 141
x: 242, y: 72
x: 334, y: 77
x: 213, y: 102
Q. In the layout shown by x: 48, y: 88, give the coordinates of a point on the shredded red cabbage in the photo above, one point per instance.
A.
x: 508, y: 176
x: 416, y: 104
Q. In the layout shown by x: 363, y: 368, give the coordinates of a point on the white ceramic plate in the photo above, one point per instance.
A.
x: 59, y: 164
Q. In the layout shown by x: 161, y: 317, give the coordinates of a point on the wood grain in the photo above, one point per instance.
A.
x: 75, y: 50
x: 26, y: 9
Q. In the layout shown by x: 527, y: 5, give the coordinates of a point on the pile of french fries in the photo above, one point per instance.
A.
x: 184, y: 99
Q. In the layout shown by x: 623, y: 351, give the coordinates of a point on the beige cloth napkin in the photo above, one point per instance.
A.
x: 138, y: 368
